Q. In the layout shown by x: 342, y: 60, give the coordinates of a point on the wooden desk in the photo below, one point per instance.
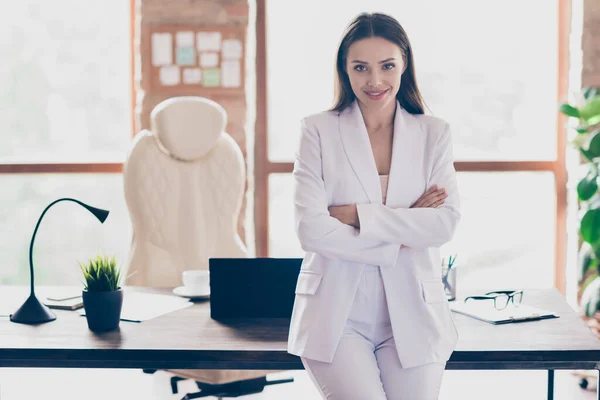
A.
x: 190, y: 339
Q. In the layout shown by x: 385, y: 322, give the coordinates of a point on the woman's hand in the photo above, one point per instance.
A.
x: 345, y: 214
x: 432, y: 198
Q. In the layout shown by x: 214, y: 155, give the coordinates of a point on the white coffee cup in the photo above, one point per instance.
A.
x: 196, y: 279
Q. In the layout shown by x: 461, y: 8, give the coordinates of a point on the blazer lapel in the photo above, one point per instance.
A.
x: 407, y: 157
x: 355, y: 138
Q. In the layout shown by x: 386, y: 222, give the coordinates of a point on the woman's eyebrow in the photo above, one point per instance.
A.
x: 380, y: 62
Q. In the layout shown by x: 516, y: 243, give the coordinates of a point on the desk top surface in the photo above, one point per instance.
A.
x: 189, y: 338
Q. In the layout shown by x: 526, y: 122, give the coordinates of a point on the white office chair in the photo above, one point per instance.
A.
x: 184, y: 183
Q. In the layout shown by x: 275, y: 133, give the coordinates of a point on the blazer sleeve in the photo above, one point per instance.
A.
x: 418, y: 227
x: 317, y: 231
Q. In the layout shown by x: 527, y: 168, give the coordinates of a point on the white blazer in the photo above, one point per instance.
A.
x: 335, y: 166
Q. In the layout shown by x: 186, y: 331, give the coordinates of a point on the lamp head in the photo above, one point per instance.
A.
x: 98, y: 212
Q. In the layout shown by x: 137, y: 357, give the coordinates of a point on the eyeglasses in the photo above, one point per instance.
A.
x: 501, y: 298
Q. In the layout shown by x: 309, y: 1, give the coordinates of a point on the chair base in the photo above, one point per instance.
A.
x: 234, y: 389
x: 225, y: 390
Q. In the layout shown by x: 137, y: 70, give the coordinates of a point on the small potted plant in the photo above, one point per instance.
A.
x: 102, y: 293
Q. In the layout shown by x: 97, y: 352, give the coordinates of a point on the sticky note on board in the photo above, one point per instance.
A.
x: 208, y: 41
x: 212, y: 77
x: 186, y: 56
x: 231, y: 74
x: 184, y: 39
x: 162, y: 53
x: 169, y: 75
x: 209, y: 60
x: 192, y: 76
x: 232, y: 49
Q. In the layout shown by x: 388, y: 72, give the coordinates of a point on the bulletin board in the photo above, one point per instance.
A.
x: 194, y: 59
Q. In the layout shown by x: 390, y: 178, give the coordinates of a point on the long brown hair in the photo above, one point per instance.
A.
x: 367, y: 25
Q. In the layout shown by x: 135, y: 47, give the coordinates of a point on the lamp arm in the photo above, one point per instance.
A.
x: 35, y: 232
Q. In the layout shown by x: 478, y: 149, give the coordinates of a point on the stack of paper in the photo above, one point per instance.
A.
x: 138, y: 306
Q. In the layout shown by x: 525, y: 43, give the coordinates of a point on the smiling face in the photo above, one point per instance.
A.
x: 375, y: 67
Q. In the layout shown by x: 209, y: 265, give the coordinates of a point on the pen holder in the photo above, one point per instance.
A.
x: 449, y: 281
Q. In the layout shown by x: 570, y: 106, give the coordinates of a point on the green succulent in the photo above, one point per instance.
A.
x: 101, y: 274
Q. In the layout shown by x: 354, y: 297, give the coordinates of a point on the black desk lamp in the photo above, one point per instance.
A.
x: 33, y: 311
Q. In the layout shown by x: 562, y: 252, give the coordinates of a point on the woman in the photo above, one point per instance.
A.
x: 375, y: 196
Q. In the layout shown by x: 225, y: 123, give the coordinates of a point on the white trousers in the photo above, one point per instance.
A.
x: 366, y: 364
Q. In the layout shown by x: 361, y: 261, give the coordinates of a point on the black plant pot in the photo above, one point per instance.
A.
x: 103, y: 309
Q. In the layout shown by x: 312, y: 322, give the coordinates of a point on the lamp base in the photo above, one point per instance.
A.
x: 32, y: 312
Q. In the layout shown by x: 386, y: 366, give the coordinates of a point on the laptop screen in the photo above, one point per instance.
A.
x: 253, y: 287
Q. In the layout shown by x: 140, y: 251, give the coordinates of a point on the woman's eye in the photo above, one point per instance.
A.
x: 389, y: 66
x: 360, y: 68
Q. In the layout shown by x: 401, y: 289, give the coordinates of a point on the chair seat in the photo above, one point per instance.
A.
x: 219, y: 376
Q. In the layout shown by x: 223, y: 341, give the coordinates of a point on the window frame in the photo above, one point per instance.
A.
x: 264, y: 167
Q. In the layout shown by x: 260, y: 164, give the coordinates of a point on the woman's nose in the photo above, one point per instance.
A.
x: 374, y: 79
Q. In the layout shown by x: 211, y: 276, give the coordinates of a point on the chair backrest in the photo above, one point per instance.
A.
x: 184, y: 183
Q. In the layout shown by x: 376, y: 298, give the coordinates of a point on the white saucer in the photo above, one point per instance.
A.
x: 183, y: 291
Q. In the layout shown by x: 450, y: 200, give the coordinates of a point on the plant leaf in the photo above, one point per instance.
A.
x: 590, y: 299
x: 581, y: 130
x: 590, y: 110
x: 594, y: 120
x: 590, y: 92
x: 569, y: 110
x: 594, y: 261
x: 587, y: 187
x: 585, y: 261
x: 590, y: 226
x: 586, y: 154
x: 594, y: 147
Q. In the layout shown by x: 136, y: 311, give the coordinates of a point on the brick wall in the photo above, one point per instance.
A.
x: 591, y: 43
x: 191, y: 12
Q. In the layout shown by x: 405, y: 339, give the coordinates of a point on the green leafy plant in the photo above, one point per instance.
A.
x: 101, y: 274
x: 587, y: 141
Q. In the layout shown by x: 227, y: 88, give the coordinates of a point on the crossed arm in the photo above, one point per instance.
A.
x: 370, y: 233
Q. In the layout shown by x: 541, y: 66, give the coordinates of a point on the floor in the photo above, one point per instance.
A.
x: 50, y: 384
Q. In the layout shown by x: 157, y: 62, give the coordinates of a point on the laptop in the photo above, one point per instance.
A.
x: 253, y: 287
x: 485, y: 311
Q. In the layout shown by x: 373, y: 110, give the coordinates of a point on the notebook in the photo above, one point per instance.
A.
x: 68, y: 304
x: 485, y: 311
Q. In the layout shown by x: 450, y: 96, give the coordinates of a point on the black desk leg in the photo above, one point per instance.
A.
x: 550, y: 384
x: 598, y: 386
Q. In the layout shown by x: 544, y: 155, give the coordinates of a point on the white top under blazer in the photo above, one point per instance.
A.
x: 335, y: 166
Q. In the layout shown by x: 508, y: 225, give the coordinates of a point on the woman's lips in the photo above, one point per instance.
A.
x: 376, y: 94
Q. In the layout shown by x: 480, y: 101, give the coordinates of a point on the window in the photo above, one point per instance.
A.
x: 496, y: 86
x: 66, y: 123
